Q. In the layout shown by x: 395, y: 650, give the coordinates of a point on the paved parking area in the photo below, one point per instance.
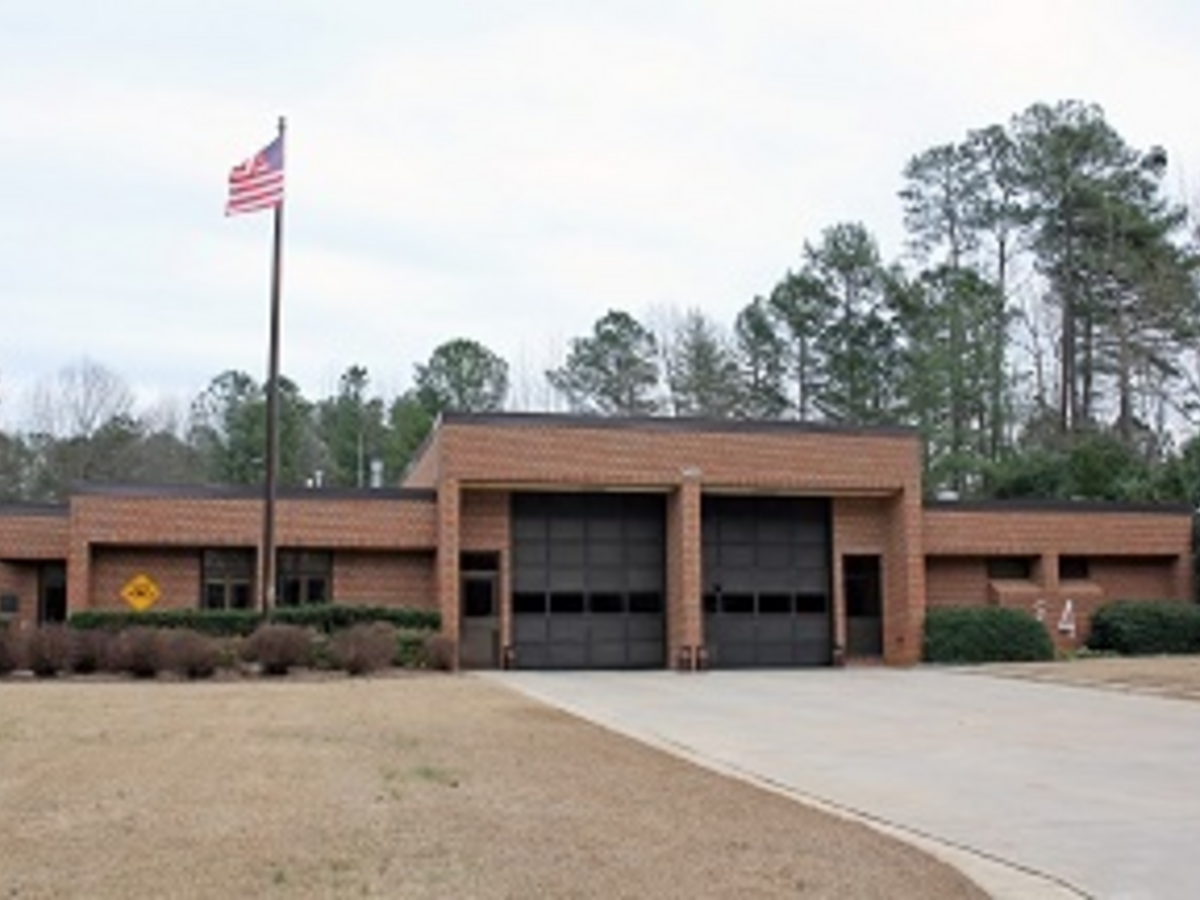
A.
x: 1034, y: 789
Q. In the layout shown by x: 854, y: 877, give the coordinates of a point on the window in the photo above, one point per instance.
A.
x: 1010, y: 568
x: 1073, y: 568
x: 227, y: 579
x: 304, y: 577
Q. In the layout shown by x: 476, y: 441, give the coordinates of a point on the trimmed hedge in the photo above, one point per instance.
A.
x: 326, y: 618
x: 1146, y: 628
x: 332, y: 617
x: 985, y: 634
x: 214, y: 622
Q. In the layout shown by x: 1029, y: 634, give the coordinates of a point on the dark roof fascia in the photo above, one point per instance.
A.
x: 1035, y: 505
x: 49, y: 510
x: 242, y: 492
x: 671, y: 424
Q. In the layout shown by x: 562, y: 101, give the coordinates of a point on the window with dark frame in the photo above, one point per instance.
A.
x: 1073, y: 568
x: 1010, y: 568
x: 227, y: 579
x: 305, y: 577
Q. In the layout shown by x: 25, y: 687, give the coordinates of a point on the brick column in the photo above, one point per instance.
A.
x: 1047, y: 574
x: 1181, y: 577
x: 449, y: 505
x: 685, y: 626
x: 79, y: 573
x: 904, y: 581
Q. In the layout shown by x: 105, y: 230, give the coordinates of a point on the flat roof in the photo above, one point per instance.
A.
x: 249, y: 492
x: 34, y: 509
x: 670, y: 424
x: 1057, y: 505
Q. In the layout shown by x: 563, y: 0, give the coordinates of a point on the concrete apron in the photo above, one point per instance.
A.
x: 1031, y: 790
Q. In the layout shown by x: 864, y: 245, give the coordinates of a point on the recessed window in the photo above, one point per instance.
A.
x: 304, y: 577
x: 1010, y: 568
x: 1073, y: 568
x: 227, y: 579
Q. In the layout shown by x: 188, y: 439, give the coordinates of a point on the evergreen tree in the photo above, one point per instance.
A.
x: 613, y: 371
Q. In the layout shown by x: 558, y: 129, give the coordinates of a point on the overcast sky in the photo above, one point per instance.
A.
x: 505, y: 171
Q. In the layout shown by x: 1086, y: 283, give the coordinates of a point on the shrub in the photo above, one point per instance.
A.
x: 134, y: 651
x: 279, y: 648
x: 333, y: 617
x: 366, y: 648
x: 441, y: 653
x: 47, y: 650
x: 985, y: 634
x: 327, y: 618
x: 87, y: 650
x: 1145, y: 627
x: 8, y: 651
x: 189, y: 653
x: 216, y: 622
x: 410, y: 649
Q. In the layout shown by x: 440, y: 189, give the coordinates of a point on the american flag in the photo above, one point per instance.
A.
x: 257, y: 183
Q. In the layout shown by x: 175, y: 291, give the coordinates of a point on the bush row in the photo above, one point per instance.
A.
x: 275, y: 648
x: 326, y: 618
x: 1145, y: 628
x: 985, y: 634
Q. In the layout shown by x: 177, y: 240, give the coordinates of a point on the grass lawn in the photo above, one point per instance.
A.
x: 399, y: 786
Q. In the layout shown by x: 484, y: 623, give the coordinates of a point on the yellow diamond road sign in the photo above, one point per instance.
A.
x: 141, y: 592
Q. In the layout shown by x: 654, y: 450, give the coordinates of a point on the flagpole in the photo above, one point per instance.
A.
x: 267, y: 557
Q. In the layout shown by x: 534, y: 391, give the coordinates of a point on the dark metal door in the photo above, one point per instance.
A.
x: 766, y: 581
x: 864, y: 606
x: 52, y: 593
x: 589, y: 574
x: 480, y: 626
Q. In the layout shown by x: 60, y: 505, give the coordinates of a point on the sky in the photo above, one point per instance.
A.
x: 501, y: 170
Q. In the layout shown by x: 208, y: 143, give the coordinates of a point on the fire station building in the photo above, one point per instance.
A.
x: 577, y: 542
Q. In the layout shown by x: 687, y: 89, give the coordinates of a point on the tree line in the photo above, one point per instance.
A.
x: 1040, y: 331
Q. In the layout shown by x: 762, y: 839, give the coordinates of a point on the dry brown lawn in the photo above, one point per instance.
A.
x: 1165, y: 676
x: 399, y: 786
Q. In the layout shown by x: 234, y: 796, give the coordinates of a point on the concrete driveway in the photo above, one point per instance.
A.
x: 1034, y: 790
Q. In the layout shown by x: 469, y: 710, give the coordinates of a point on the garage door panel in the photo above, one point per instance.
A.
x: 563, y: 655
x: 601, y: 560
x: 646, y: 654
x: 530, y: 630
x: 606, y: 629
x: 774, y: 610
x: 646, y: 628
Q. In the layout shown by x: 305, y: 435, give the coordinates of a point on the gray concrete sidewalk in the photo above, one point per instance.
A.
x: 1034, y: 790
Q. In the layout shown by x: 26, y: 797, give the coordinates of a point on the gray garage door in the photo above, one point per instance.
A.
x: 766, y: 581
x: 588, y: 581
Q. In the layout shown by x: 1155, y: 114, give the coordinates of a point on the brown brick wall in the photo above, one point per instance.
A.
x: 375, y: 578
x: 1133, y: 579
x: 963, y: 581
x: 576, y: 455
x: 21, y: 580
x: 176, y: 572
x: 955, y: 581
x: 1031, y: 532
x: 216, y: 522
x: 30, y: 536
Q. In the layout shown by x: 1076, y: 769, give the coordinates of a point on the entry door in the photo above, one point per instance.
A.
x: 52, y: 593
x: 864, y: 606
x: 480, y: 626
